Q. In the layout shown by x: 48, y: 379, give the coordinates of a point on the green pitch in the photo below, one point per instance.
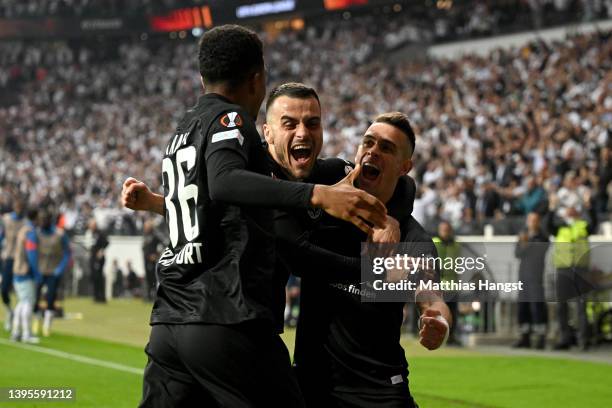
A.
x: 100, y: 355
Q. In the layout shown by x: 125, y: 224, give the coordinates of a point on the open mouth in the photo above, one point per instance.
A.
x: 370, y: 171
x: 301, y: 153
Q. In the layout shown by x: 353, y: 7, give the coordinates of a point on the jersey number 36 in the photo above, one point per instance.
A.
x: 185, y: 194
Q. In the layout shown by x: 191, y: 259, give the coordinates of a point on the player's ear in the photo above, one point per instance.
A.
x: 405, y: 167
x: 267, y: 134
x: 256, y: 81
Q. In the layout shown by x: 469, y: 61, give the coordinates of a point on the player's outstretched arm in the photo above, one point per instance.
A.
x: 229, y: 181
x: 344, y: 201
x: 137, y: 196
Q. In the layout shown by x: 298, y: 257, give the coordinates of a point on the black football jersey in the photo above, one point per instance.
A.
x: 219, y: 265
x: 335, y: 328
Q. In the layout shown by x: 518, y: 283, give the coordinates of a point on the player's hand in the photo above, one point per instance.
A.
x: 134, y: 194
x: 390, y: 234
x: 344, y: 201
x: 137, y: 196
x: 434, y: 329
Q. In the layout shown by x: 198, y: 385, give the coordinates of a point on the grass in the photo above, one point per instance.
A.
x: 447, y: 378
x: 492, y: 381
x: 94, y: 386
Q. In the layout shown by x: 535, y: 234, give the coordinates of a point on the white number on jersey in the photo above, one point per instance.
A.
x: 190, y: 228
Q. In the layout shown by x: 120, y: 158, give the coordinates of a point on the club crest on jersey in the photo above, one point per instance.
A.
x: 231, y: 119
x: 314, y: 213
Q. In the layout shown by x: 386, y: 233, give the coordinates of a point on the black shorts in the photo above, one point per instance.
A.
x: 206, y: 365
x: 356, y: 389
x: 327, y: 383
x: 365, y: 399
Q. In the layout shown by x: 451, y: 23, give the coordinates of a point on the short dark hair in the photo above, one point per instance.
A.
x: 229, y: 53
x: 400, y: 121
x: 292, y: 90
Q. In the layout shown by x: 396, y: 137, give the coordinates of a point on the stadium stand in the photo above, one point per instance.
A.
x: 497, y: 134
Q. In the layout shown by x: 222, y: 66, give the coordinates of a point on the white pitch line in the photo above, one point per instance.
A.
x: 74, y: 357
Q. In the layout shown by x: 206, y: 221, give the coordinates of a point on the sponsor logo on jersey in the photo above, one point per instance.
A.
x: 361, y: 289
x: 231, y: 119
x: 228, y: 134
x: 314, y: 213
x: 190, y: 254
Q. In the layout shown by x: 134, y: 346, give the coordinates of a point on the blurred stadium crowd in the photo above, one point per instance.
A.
x: 498, y: 136
x: 543, y: 10
x: 451, y: 19
x: 86, y: 8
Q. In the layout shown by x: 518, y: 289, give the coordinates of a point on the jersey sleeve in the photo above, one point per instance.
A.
x: 303, y: 258
x: 231, y: 131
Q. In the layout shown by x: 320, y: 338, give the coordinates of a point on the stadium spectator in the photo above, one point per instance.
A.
x: 533, y: 199
x: 604, y: 174
x: 432, y: 223
x: 469, y: 225
x: 531, y: 250
x: 99, y: 242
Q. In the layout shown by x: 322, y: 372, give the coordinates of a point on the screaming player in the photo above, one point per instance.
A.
x: 220, y: 302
